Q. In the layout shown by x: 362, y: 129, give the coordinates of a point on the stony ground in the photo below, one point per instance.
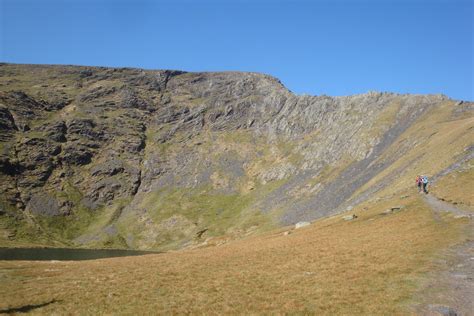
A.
x: 450, y: 291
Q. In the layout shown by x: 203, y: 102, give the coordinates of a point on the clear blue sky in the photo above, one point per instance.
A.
x: 317, y: 47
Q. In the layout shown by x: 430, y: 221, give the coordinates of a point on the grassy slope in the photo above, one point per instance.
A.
x: 434, y: 142
x: 457, y: 187
x: 367, y: 266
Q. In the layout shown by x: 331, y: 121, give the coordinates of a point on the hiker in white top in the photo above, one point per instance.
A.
x: 424, y: 182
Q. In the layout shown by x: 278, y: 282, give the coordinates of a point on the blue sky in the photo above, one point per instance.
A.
x: 316, y: 47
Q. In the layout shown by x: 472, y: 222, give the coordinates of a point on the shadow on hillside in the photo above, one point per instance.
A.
x: 26, y: 308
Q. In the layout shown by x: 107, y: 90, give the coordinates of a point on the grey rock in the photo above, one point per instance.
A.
x: 392, y: 210
x: 42, y: 204
x: 56, y: 131
x: 130, y: 99
x: 302, y: 224
x: 108, y: 168
x: 76, y: 154
x: 349, y: 217
x: 7, y: 123
x: 396, y: 208
x: 443, y: 310
x: 83, y: 128
x: 96, y: 93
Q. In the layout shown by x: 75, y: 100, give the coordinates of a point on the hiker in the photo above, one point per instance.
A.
x: 424, y: 182
x: 418, y: 182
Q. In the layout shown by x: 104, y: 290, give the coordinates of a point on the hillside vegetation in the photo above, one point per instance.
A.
x: 214, y: 169
x: 131, y: 158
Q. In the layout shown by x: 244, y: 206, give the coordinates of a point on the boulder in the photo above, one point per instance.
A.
x: 442, y: 310
x: 42, y: 204
x: 349, y: 217
x: 392, y: 210
x: 396, y: 208
x: 301, y: 224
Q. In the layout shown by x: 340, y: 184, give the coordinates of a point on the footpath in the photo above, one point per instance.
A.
x: 451, y: 292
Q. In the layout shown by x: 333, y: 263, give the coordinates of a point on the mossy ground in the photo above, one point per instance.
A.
x: 172, y: 217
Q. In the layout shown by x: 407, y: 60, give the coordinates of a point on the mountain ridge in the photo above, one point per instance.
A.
x: 369, y: 92
x: 135, y: 158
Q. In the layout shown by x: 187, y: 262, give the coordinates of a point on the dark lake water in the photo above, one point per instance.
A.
x: 65, y: 253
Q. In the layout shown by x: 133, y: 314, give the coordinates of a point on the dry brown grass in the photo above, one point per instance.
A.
x: 457, y: 187
x: 368, y: 266
x: 430, y: 145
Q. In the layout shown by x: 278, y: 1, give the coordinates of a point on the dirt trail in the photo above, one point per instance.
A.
x: 441, y: 206
x: 451, y: 291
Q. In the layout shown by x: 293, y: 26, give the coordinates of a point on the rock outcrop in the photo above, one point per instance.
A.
x: 149, y: 159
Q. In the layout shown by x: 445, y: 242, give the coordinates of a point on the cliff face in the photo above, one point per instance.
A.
x: 166, y: 159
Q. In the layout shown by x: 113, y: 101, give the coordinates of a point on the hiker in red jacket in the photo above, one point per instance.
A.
x: 418, y: 183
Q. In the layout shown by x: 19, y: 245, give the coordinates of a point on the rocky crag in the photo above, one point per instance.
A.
x: 119, y: 157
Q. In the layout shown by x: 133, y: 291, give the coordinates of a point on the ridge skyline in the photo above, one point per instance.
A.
x: 370, y: 91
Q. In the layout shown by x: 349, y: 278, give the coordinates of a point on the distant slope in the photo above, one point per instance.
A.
x: 145, y: 159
